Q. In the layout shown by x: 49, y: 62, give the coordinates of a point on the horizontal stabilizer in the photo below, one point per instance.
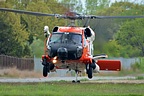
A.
x: 100, y: 56
x: 109, y: 65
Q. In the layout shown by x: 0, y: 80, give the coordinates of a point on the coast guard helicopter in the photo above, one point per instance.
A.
x: 71, y: 47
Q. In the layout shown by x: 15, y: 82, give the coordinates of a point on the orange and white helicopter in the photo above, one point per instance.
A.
x: 71, y: 47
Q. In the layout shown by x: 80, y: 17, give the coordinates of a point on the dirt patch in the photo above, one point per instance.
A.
x: 116, y: 81
x: 14, y: 72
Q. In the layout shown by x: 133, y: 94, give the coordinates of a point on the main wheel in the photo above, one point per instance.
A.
x: 89, y: 71
x: 45, y: 71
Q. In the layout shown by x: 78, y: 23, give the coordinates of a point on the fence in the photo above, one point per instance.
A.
x: 19, y: 63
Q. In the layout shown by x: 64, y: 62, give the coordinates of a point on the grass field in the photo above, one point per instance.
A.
x: 63, y: 88
x: 70, y: 89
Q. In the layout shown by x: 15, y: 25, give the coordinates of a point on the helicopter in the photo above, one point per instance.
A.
x: 71, y: 47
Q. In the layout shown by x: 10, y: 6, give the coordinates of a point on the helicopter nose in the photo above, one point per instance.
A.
x: 62, y: 53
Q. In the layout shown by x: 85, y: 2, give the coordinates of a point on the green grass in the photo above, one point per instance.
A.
x: 140, y: 77
x: 69, y: 89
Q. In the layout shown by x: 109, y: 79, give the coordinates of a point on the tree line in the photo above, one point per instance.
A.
x: 115, y: 37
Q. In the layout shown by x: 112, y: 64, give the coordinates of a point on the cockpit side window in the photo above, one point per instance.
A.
x: 56, y: 38
x: 77, y: 38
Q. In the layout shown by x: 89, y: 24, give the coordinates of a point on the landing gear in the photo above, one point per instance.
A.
x: 47, y: 67
x: 45, y: 71
x: 76, y: 81
x: 90, y: 68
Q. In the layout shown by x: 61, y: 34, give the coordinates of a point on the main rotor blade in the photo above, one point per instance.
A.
x: 27, y: 12
x: 67, y: 17
x: 113, y: 17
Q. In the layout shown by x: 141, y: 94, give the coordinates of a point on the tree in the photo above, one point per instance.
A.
x: 72, y: 5
x: 9, y: 45
x: 23, y: 28
x: 35, y: 24
x: 131, y: 34
x: 110, y: 27
x: 13, y: 35
x: 93, y: 6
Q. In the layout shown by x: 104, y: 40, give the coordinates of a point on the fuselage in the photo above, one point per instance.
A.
x: 69, y: 44
x: 72, y: 48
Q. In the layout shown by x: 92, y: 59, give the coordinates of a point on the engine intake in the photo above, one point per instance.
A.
x: 55, y: 29
x: 89, y: 33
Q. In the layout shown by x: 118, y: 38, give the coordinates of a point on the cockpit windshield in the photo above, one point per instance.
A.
x: 66, y: 38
